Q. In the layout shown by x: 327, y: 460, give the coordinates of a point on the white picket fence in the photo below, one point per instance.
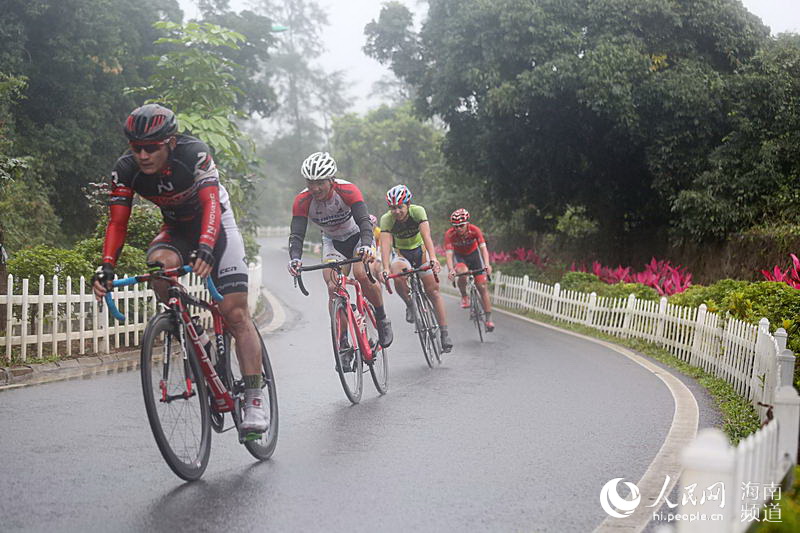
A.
x: 756, y: 363
x: 68, y: 319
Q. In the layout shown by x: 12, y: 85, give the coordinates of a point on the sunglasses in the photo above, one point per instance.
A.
x: 149, y: 147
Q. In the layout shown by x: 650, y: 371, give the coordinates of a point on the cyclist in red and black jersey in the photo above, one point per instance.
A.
x: 177, y: 173
x: 466, y: 250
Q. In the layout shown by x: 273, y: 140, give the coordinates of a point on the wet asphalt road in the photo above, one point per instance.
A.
x: 517, y: 434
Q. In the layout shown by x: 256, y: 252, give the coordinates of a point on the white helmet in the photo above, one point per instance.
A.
x: 318, y: 166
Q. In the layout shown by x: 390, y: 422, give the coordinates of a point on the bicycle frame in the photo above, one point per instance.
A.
x: 177, y: 302
x: 356, y: 323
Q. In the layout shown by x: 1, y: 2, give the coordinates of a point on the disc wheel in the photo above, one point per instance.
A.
x: 261, y: 446
x: 175, y: 398
x: 346, y: 354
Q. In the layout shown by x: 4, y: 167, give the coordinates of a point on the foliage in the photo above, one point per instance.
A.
x: 48, y: 261
x: 143, y: 226
x: 77, y: 56
x: 610, y: 105
x: 26, y: 216
x: 132, y: 260
x: 196, y: 80
x: 546, y: 274
x: 579, y: 281
x: 575, y: 224
x: 712, y: 296
x: 659, y: 274
x: 791, y: 276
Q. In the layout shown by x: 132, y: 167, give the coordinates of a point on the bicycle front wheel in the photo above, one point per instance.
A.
x: 433, y: 328
x: 478, y: 315
x: 175, y: 397
x: 345, y: 352
x: 426, y: 329
x: 262, y: 447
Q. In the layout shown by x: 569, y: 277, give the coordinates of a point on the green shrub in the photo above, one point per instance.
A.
x: 579, y: 281
x: 47, y: 261
x: 251, y: 246
x: 132, y: 261
x: 143, y: 226
x: 548, y: 274
x: 623, y: 290
x: 712, y: 296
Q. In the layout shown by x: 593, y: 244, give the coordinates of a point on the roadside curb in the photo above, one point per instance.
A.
x: 88, y: 366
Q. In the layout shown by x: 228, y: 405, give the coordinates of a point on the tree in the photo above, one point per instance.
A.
x: 196, y: 80
x: 77, y: 56
x: 564, y: 104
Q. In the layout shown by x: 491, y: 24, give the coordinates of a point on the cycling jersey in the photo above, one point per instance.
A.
x: 466, y: 243
x: 406, y: 233
x: 194, y: 205
x: 340, y: 216
x: 187, y: 190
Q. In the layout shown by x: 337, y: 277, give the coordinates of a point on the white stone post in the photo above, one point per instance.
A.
x: 708, y: 461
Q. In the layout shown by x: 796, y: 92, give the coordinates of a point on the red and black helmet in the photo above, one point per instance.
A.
x: 459, y: 216
x: 151, y: 122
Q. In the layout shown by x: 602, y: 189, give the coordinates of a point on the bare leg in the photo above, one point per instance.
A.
x: 237, y: 318
x: 170, y: 260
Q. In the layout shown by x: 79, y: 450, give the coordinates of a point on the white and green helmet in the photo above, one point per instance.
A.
x: 318, y: 166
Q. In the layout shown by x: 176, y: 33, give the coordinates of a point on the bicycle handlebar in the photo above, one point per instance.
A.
x: 424, y: 268
x: 298, y: 279
x: 171, y: 273
x: 475, y: 273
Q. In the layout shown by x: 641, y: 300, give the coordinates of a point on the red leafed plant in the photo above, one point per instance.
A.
x: 791, y: 276
x: 520, y: 254
x: 659, y: 274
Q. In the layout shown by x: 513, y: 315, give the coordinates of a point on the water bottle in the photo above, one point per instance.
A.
x: 202, y: 335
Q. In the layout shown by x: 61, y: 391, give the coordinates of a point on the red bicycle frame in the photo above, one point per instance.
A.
x: 177, y: 295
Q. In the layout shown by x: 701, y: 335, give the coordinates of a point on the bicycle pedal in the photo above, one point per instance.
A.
x: 253, y: 436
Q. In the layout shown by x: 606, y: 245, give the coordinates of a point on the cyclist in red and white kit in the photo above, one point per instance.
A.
x: 177, y: 173
x: 466, y: 250
x: 338, y: 208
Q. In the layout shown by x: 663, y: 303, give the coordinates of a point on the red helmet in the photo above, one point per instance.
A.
x: 459, y: 216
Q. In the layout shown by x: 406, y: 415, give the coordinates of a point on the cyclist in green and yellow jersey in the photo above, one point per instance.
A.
x: 405, y: 226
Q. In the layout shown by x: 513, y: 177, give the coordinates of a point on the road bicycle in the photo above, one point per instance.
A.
x: 425, y: 322
x: 354, y: 332
x: 476, y: 311
x: 180, y: 365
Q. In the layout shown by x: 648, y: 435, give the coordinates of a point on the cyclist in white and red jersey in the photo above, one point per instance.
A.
x: 466, y: 250
x: 177, y: 173
x: 338, y: 208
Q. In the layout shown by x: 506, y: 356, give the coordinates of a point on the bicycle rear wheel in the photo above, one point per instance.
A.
x: 378, y: 367
x: 175, y: 397
x: 478, y: 315
x: 345, y: 352
x: 262, y: 447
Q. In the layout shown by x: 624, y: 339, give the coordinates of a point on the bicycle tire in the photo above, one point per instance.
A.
x: 423, y: 329
x: 261, y: 448
x: 378, y: 367
x: 434, y: 330
x: 185, y: 450
x: 478, y: 315
x: 352, y: 382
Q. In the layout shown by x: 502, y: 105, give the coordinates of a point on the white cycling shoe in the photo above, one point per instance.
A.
x: 255, y: 415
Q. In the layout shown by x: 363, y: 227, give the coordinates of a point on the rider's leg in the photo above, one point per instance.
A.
x: 237, y: 318
x: 400, y: 284
x: 432, y: 290
x: 462, y: 280
x: 483, y: 289
x: 372, y: 291
x: 170, y: 259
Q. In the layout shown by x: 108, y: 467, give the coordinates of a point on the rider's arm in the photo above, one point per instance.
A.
x: 450, y: 263
x: 358, y: 208
x: 482, y: 246
x: 425, y: 231
x: 386, y: 248
x: 212, y: 215
x: 119, y: 211
x: 448, y: 247
x: 297, y: 228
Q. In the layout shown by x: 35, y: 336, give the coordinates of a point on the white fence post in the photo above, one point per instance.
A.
x: 9, y: 315
x: 662, y: 318
x: 697, y: 340
x: 554, y: 303
x: 24, y: 326
x: 626, y: 320
x: 590, y: 309
x: 707, y: 462
x: 787, y: 411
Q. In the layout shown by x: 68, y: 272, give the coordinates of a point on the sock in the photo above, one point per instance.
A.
x: 252, y: 381
x: 443, y: 329
x: 380, y: 313
x: 488, y: 316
